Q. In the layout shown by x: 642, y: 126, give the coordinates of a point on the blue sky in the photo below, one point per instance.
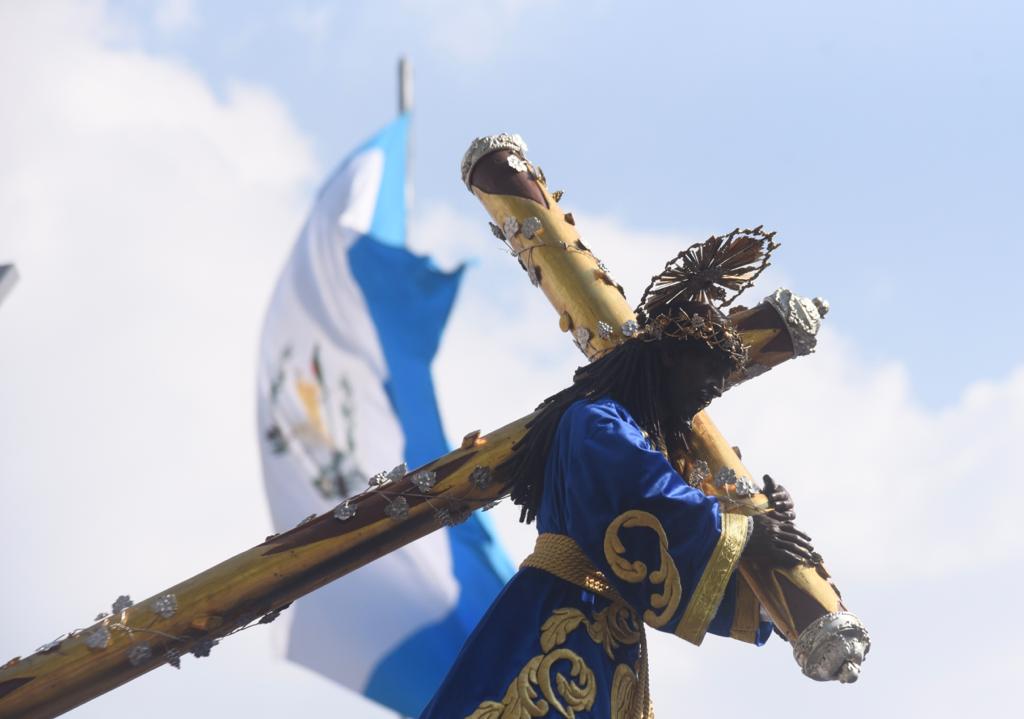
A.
x: 880, y: 139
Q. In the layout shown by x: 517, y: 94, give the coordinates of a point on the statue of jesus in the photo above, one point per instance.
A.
x: 624, y: 540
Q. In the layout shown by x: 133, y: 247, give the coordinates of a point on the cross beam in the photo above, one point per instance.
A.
x: 802, y: 601
x: 255, y: 585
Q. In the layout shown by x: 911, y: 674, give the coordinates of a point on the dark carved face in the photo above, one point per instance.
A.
x: 695, y: 375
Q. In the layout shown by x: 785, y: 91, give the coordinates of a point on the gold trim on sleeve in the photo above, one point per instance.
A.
x: 708, y: 594
x: 663, y: 604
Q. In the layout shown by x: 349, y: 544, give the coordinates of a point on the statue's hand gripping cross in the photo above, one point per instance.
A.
x: 401, y: 506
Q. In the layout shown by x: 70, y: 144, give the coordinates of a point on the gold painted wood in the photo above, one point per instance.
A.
x: 254, y: 583
x: 583, y: 295
x: 772, y: 585
x: 271, y: 575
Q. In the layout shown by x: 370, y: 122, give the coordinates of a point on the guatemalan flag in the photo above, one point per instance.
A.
x: 345, y: 391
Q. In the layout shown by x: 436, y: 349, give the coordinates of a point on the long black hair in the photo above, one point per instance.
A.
x: 681, y: 319
x: 634, y: 375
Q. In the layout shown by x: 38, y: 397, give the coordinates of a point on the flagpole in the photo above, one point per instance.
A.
x: 404, y: 85
x: 405, y: 108
x: 8, y: 276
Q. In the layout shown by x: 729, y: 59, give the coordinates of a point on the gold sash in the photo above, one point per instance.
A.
x: 561, y: 557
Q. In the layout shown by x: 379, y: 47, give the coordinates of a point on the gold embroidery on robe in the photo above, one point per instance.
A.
x: 611, y: 627
x: 531, y: 694
x: 663, y: 604
x: 624, y: 690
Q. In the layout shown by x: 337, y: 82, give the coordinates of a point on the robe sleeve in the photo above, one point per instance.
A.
x: 667, y: 547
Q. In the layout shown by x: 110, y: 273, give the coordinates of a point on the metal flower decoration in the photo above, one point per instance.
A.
x: 397, y: 509
x: 203, y: 647
x: 451, y: 515
x: 531, y: 226
x: 517, y: 163
x: 481, y: 476
x: 697, y: 473
x: 581, y: 335
x: 425, y: 479
x: 166, y: 605
x: 50, y: 646
x: 98, y: 638
x: 510, y: 228
x: 139, y: 653
x: 173, y: 657
x: 724, y: 476
x: 392, y: 475
x: 345, y: 510
x: 745, y: 487
x: 120, y: 604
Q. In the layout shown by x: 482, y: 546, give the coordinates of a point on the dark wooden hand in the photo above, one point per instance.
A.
x: 775, y: 537
x: 781, y: 501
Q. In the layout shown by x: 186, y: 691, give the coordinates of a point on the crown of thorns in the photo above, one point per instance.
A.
x: 684, y: 301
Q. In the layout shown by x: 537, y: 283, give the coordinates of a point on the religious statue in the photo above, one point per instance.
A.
x: 646, y: 514
x: 624, y: 540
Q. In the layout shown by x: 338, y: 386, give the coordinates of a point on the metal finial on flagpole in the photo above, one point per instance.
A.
x: 8, y: 276
x: 404, y: 85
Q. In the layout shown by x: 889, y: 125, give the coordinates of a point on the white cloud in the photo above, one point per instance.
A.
x: 914, y: 509
x: 148, y: 220
x: 830, y: 425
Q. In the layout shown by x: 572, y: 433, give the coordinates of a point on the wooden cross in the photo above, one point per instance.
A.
x: 254, y: 586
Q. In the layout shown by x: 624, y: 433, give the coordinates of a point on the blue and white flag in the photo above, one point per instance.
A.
x: 345, y: 391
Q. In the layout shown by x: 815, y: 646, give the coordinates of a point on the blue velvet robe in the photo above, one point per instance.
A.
x: 547, y: 647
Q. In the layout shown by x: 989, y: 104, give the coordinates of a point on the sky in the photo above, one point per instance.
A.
x: 158, y: 160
